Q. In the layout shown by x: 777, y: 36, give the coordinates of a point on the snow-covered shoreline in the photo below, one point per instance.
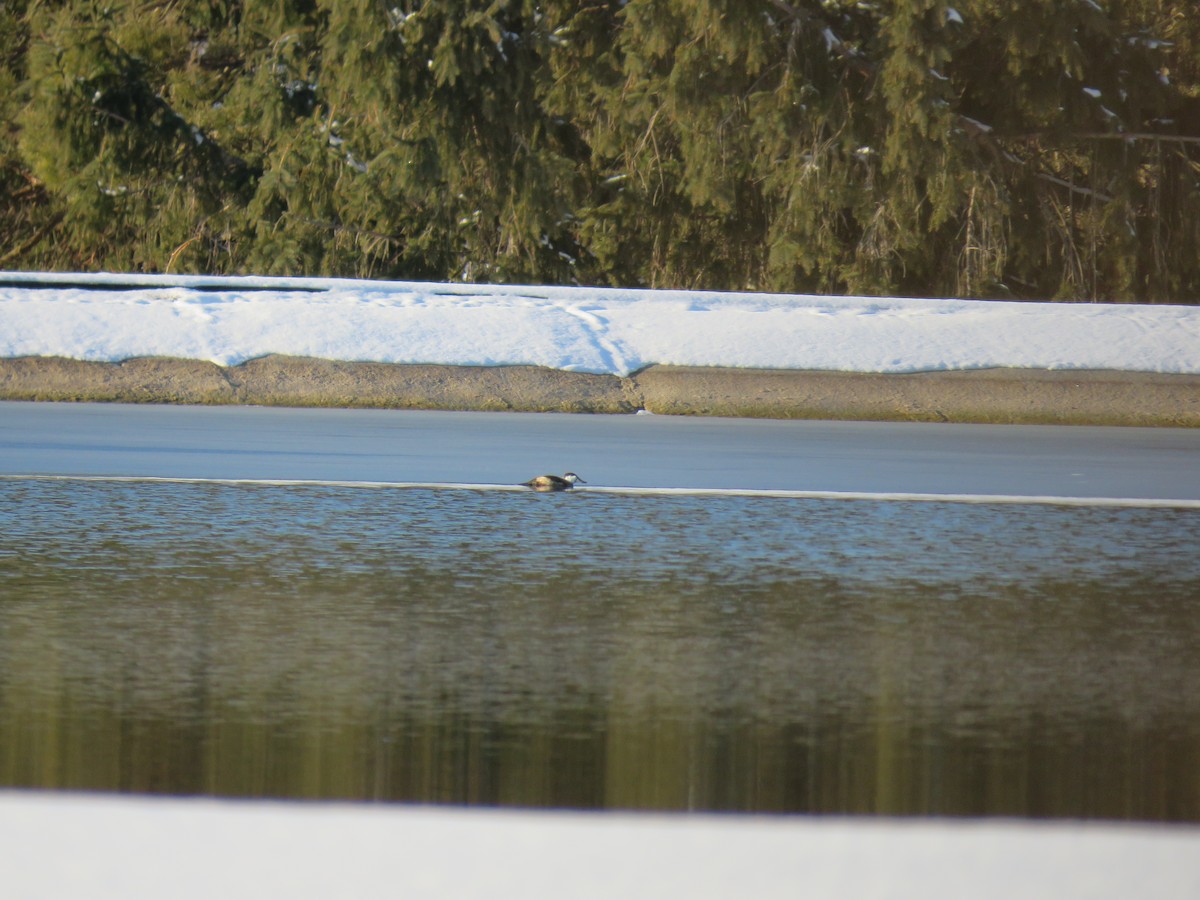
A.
x: 405, y: 345
x: 229, y: 320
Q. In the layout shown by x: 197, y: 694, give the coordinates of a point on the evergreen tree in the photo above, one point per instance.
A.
x: 1033, y: 148
x: 28, y: 213
x: 103, y: 133
x: 453, y: 156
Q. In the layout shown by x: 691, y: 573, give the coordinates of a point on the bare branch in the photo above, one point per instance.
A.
x: 1128, y: 136
x: 1074, y: 188
x: 33, y: 240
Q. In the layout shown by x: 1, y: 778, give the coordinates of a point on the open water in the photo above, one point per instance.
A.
x: 599, y: 650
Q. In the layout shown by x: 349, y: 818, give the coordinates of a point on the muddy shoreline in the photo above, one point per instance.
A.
x: 1006, y: 396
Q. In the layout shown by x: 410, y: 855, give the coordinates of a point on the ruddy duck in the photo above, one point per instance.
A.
x: 553, y: 482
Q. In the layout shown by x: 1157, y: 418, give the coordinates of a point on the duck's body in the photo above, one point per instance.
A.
x: 553, y: 482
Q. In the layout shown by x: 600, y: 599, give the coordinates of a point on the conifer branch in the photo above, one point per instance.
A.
x: 847, y: 52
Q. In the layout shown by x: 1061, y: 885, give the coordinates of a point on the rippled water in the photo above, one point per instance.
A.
x: 600, y: 650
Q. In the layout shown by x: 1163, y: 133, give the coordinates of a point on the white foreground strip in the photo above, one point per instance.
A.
x: 63, y: 845
x: 876, y: 496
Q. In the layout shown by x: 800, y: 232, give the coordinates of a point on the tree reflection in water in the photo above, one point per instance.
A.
x: 600, y: 651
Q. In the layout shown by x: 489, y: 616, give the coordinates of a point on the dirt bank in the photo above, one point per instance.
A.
x: 993, y: 395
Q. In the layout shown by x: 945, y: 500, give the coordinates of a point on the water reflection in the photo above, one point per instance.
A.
x: 600, y: 651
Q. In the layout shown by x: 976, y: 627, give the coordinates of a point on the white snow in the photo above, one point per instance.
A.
x: 230, y: 320
x: 98, y: 847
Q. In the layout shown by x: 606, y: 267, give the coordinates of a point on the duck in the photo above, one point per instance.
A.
x: 553, y: 482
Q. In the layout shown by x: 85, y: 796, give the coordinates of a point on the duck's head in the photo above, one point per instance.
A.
x: 573, y: 478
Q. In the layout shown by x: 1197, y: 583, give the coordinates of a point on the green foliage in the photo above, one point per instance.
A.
x: 1032, y: 148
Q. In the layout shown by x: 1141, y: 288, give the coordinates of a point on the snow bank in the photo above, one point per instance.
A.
x: 108, y: 318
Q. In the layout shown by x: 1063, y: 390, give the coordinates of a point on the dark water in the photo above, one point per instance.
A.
x: 600, y: 650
